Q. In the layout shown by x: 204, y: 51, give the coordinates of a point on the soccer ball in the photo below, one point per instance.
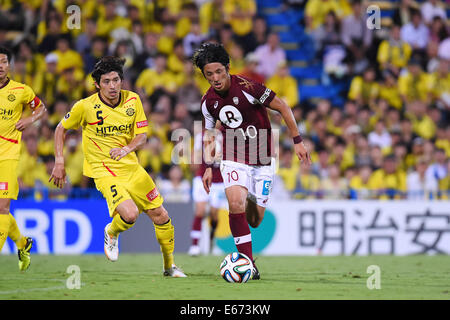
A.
x: 236, y: 267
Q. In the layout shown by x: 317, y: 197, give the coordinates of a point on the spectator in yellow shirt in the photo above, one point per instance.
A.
x: 175, y: 61
x: 152, y: 79
x: 333, y: 187
x: 211, y: 17
x: 414, y: 84
x: 239, y: 14
x: 284, y: 85
x: 423, y: 125
x: 307, y: 184
x: 441, y: 84
x: 316, y: 10
x: 67, y: 58
x: 388, y: 182
x: 109, y: 20
x: 394, y: 53
x: 364, y: 90
x: 359, y: 184
x: 288, y: 170
x: 389, y: 90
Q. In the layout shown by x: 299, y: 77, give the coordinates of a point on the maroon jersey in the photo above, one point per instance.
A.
x: 198, y: 146
x: 246, y: 129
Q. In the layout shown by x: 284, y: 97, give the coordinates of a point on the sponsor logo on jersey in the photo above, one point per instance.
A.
x: 97, y: 106
x: 114, y: 129
x: 3, y: 185
x: 67, y: 116
x: 141, y: 124
x: 230, y: 116
x: 236, y: 100
x: 265, y: 95
x: 216, y: 104
x: 153, y: 194
x: 266, y: 187
x: 6, y: 112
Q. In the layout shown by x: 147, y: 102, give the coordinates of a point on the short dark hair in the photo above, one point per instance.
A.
x: 106, y: 65
x: 209, y: 53
x: 7, y: 52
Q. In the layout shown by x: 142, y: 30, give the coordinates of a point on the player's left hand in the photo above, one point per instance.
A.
x: 24, y: 123
x: 119, y: 153
x: 302, y: 153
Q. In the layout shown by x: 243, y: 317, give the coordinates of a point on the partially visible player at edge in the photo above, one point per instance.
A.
x: 247, y: 168
x: 14, y: 97
x: 114, y: 126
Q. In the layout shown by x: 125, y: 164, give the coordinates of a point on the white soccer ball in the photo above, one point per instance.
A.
x: 236, y: 267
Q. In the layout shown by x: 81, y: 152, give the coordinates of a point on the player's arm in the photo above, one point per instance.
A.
x: 137, y: 142
x: 72, y: 120
x: 59, y: 172
x: 209, y: 146
x: 36, y: 115
x: 279, y: 105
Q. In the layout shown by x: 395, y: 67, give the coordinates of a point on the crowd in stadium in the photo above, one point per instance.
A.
x: 390, y: 139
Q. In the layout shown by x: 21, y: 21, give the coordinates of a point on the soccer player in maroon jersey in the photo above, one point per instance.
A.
x: 239, y: 106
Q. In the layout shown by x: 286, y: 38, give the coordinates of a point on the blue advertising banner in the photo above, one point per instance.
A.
x: 69, y: 227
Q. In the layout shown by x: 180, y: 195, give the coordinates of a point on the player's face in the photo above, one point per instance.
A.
x: 4, y: 66
x: 217, y: 76
x: 110, y: 85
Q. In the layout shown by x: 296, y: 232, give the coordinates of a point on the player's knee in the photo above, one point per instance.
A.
x: 4, y: 210
x: 236, y: 206
x: 130, y: 215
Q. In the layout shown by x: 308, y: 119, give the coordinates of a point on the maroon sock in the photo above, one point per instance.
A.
x: 196, y: 230
x: 241, y: 233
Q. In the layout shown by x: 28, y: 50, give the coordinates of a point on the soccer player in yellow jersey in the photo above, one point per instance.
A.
x: 14, y: 97
x: 114, y: 127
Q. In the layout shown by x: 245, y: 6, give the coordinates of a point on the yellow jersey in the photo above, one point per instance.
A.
x: 14, y: 96
x: 106, y: 127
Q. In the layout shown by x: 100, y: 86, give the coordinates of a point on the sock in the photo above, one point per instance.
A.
x: 165, y: 236
x: 118, y: 225
x: 196, y: 231
x: 241, y: 233
x: 14, y: 233
x: 4, y: 228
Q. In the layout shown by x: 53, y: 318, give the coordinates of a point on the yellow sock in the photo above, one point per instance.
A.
x: 165, y: 236
x: 118, y: 225
x: 4, y: 229
x: 14, y: 233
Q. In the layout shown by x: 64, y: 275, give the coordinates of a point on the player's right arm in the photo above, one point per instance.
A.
x: 59, y: 172
x: 72, y: 120
x: 209, y: 145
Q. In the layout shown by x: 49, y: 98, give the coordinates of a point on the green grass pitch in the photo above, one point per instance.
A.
x: 139, y: 276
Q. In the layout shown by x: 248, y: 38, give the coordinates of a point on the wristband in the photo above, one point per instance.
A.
x: 297, y: 139
x: 209, y: 165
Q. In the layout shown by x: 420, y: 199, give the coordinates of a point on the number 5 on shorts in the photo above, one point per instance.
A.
x: 113, y: 190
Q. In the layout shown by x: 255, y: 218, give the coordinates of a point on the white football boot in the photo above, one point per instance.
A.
x: 174, y: 272
x: 111, y: 245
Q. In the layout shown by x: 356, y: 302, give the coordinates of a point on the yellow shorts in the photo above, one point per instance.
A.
x: 138, y: 186
x: 9, y: 186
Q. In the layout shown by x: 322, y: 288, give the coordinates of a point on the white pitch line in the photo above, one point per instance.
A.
x: 39, y: 289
